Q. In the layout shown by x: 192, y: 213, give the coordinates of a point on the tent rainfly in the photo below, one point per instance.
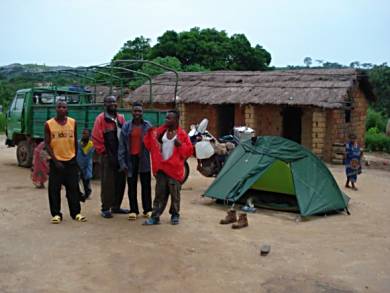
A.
x: 274, y: 165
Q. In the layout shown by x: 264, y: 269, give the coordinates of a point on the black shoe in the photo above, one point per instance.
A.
x: 106, y: 214
x: 119, y: 211
x: 175, y: 219
x: 152, y: 221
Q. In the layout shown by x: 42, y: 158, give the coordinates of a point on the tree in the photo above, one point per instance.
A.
x: 379, y: 77
x: 308, y: 61
x: 139, y: 48
x: 211, y: 49
x: 354, y: 64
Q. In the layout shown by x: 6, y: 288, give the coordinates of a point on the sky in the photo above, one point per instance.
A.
x: 89, y: 32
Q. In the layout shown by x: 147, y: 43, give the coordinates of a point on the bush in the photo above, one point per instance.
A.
x: 377, y: 141
x: 376, y: 119
x: 2, y: 122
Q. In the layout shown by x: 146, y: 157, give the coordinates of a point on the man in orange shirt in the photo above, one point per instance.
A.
x: 134, y: 159
x: 61, y: 144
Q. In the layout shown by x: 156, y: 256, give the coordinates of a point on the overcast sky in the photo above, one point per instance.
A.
x: 87, y: 32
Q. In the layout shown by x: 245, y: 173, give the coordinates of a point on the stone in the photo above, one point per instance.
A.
x: 265, y: 249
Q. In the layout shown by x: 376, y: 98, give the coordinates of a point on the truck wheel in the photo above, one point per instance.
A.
x: 186, y: 172
x: 24, y: 154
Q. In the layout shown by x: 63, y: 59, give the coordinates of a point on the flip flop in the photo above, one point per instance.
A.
x: 80, y: 218
x: 56, y: 220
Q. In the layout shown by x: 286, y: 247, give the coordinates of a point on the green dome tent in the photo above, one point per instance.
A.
x: 279, y: 166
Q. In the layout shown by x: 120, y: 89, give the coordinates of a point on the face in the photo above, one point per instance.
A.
x: 137, y: 112
x: 85, y: 134
x: 110, y: 104
x: 62, y: 109
x: 170, y: 119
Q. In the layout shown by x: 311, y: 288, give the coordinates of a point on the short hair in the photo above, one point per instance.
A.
x: 137, y: 104
x: 61, y: 101
x: 176, y: 112
x: 107, y: 97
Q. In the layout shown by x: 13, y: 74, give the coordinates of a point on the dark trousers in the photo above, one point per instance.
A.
x: 166, y: 186
x: 146, y: 189
x: 113, y: 184
x: 69, y: 177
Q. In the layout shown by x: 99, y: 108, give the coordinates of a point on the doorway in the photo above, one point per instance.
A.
x: 225, y: 119
x: 292, y: 124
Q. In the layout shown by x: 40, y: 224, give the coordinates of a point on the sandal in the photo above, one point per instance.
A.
x: 80, y: 218
x: 56, y: 219
x: 132, y: 217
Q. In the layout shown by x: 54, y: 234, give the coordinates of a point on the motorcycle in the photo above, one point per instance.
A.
x: 210, y: 152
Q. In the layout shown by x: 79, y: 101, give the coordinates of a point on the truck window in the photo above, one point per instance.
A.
x: 19, y: 102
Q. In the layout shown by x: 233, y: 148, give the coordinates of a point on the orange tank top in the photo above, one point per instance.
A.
x: 62, y: 140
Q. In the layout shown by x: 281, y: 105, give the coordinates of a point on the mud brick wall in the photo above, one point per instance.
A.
x: 193, y: 113
x: 307, y: 128
x: 265, y: 120
x: 338, y: 129
x: 239, y: 115
x: 359, y: 115
x: 318, y: 132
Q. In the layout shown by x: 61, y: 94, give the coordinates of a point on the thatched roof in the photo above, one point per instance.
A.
x: 326, y: 88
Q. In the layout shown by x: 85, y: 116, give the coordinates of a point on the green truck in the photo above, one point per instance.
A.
x: 31, y: 108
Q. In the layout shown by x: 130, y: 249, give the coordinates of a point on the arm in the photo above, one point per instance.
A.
x: 49, y: 149
x: 185, y: 148
x: 76, y: 145
x: 122, y: 151
x: 97, y: 136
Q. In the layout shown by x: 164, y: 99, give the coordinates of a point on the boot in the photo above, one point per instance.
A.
x: 242, y: 222
x: 231, y: 217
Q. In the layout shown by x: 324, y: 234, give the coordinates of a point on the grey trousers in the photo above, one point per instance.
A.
x: 166, y: 186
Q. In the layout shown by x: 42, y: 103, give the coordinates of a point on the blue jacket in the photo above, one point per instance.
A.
x: 125, y: 146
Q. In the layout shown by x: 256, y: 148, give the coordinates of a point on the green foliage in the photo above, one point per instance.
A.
x: 3, y: 122
x: 209, y: 49
x: 151, y: 70
x: 377, y: 141
x: 139, y: 48
x: 376, y: 120
x: 379, y: 77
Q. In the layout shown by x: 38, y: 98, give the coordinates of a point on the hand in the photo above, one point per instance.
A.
x: 177, y: 142
x: 125, y: 170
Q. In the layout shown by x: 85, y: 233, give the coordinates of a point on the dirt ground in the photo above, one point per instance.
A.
x: 325, y: 254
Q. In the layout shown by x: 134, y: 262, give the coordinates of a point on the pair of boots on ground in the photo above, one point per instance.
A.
x: 231, y: 217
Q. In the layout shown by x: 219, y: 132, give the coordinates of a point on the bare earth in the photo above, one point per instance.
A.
x: 325, y: 254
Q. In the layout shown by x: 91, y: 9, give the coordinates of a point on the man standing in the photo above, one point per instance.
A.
x: 134, y: 159
x: 169, y: 146
x: 61, y: 144
x: 105, y: 137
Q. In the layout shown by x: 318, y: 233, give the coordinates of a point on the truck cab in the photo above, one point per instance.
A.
x: 22, y: 128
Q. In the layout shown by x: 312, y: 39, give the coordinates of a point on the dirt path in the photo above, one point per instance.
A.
x: 326, y: 254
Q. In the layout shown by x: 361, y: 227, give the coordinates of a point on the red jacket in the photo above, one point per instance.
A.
x: 174, y: 166
x: 104, y: 133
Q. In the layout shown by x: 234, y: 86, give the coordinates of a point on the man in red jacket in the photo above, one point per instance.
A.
x: 169, y: 147
x: 105, y: 137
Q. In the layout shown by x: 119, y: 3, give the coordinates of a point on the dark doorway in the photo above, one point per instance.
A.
x: 225, y: 119
x: 292, y: 124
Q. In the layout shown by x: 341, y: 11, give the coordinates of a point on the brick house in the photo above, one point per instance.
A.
x: 318, y: 108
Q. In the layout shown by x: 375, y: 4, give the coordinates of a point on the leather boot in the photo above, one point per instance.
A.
x: 242, y: 222
x: 231, y: 217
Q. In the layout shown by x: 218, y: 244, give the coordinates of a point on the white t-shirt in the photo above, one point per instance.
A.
x: 167, y: 146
